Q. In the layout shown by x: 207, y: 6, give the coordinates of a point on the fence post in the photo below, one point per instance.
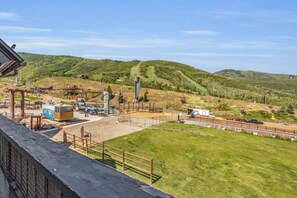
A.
x: 151, y: 171
x: 82, y: 135
x: 103, y: 151
x: 73, y: 141
x: 123, y: 160
x: 64, y: 137
x: 86, y: 145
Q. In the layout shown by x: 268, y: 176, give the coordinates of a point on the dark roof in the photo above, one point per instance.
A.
x: 10, y: 61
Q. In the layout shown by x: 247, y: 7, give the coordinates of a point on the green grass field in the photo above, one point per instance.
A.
x: 201, y: 162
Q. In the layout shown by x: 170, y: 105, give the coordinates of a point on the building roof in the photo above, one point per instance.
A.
x: 10, y: 61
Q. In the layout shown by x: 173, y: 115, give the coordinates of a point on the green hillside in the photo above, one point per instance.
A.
x: 230, y: 73
x: 158, y: 74
x: 283, y: 83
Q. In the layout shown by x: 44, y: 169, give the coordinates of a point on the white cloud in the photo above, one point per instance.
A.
x: 8, y: 16
x: 27, y: 43
x: 256, y: 45
x: 201, y: 32
x: 111, y: 56
x: 268, y: 16
x: 19, y: 29
x: 226, y: 55
x: 85, y: 32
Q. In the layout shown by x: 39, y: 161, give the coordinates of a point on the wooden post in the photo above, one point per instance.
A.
x: 82, y: 135
x: 64, y: 137
x: 151, y: 171
x: 12, y: 104
x: 31, y: 122
x: 103, y: 151
x: 123, y: 160
x: 23, y: 104
x: 73, y: 141
x: 86, y: 145
x: 82, y: 132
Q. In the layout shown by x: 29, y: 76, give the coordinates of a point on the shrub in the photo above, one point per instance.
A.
x: 223, y: 107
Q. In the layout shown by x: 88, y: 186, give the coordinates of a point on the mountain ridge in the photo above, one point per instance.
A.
x: 158, y: 74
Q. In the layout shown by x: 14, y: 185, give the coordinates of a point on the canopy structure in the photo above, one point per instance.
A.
x: 10, y: 61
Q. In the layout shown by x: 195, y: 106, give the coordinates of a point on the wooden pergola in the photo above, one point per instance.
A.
x: 12, y: 101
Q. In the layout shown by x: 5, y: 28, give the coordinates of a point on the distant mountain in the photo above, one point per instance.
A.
x: 283, y: 83
x: 230, y: 73
x: 158, y: 74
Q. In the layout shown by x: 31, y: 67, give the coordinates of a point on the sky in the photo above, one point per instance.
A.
x: 212, y: 35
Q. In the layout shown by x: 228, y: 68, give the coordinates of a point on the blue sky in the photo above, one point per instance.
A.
x: 211, y: 35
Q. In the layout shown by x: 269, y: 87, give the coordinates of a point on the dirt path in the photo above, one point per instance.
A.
x: 105, y: 129
x: 281, y: 125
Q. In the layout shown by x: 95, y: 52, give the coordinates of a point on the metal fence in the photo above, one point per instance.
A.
x: 146, y: 121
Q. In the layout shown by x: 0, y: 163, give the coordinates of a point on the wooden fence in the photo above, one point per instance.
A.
x: 108, y: 154
x: 242, y: 124
x: 256, y: 129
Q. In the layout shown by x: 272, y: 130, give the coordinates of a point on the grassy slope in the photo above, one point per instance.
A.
x: 157, y: 74
x: 200, y: 162
x: 282, y: 82
x: 160, y: 98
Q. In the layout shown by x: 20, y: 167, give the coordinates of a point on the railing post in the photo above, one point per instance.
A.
x: 86, y: 145
x: 151, y: 171
x: 64, y: 137
x: 123, y: 160
x: 73, y: 141
x: 103, y: 151
x: 82, y: 135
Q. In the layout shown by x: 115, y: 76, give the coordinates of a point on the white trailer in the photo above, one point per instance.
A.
x: 199, y: 112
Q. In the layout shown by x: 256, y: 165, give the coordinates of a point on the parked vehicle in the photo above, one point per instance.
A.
x: 253, y: 121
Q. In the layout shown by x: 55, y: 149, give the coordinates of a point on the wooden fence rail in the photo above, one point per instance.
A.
x: 127, y: 160
x: 241, y: 124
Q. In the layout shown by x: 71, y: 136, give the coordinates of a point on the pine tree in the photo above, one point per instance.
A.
x: 290, y: 109
x: 145, y: 98
x: 109, y: 90
x: 121, y: 98
x: 282, y: 110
